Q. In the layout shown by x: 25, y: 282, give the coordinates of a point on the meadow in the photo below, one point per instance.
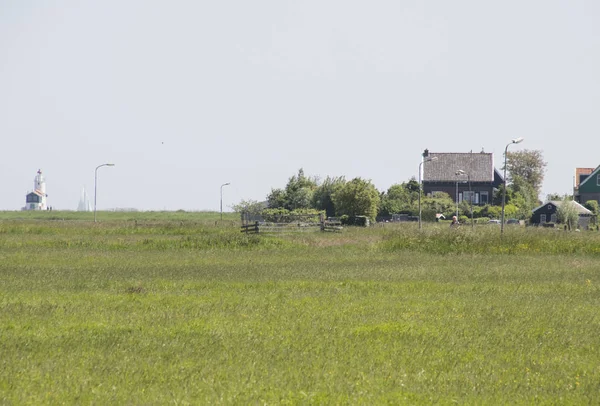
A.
x: 181, y: 308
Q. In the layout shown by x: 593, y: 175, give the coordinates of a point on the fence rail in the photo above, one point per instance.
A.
x: 326, y: 226
x: 250, y: 228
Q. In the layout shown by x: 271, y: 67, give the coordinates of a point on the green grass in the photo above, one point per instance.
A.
x: 187, y: 311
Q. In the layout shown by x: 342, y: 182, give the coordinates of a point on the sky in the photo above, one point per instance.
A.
x: 184, y: 96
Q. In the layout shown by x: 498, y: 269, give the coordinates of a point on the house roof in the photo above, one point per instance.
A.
x: 479, y: 166
x: 592, y: 173
x: 557, y: 203
x: 581, y: 171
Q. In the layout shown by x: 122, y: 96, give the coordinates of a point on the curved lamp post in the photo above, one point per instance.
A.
x: 456, y: 195
x: 515, y: 141
x: 95, y: 183
x: 428, y: 159
x: 461, y: 172
x: 224, y: 184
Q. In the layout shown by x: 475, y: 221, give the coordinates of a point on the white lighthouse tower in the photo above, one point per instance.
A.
x: 84, y: 202
x: 36, y: 200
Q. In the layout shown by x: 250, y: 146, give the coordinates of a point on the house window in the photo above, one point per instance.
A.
x: 598, y: 180
x: 469, y: 197
x: 553, y: 218
x: 542, y: 218
x: 484, y: 197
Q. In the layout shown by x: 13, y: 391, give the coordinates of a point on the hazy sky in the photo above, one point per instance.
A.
x: 183, y: 96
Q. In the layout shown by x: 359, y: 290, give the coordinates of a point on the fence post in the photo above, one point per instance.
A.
x: 256, y: 227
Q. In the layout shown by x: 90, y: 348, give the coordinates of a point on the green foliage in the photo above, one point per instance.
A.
x: 439, y: 203
x: 567, y: 214
x: 528, y: 166
x: 298, y: 193
x: 281, y: 215
x: 558, y: 196
x: 412, y: 185
x: 249, y: 206
x: 358, y: 197
x: 276, y: 199
x: 488, y: 211
x: 399, y: 199
x: 322, y: 196
x: 524, y: 197
x: 497, y: 199
x: 511, y: 211
x: 592, y: 205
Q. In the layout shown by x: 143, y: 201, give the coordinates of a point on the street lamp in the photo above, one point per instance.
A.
x: 95, y: 184
x: 461, y: 172
x: 428, y: 159
x: 224, y: 184
x: 515, y: 141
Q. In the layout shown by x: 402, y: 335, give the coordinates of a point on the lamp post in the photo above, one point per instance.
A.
x: 515, y: 141
x: 224, y: 184
x: 461, y: 172
x: 428, y: 159
x: 95, y: 185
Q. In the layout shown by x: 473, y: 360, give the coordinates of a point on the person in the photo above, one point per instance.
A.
x: 455, y: 222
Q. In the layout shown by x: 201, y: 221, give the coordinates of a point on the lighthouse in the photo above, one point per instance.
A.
x: 36, y: 200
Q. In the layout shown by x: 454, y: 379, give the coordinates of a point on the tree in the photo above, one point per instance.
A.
x: 556, y: 196
x: 566, y: 213
x: 412, y: 185
x: 358, y: 197
x: 297, y: 194
x: 398, y: 199
x: 438, y: 203
x: 276, y: 199
x: 251, y: 207
x: 529, y: 166
x: 322, y: 196
x: 497, y: 199
x: 299, y: 191
x: 524, y: 197
x: 593, y: 206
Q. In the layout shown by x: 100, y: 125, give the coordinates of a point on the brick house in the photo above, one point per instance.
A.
x: 587, y: 185
x: 440, y: 175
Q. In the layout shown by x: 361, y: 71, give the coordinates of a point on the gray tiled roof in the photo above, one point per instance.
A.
x: 479, y: 166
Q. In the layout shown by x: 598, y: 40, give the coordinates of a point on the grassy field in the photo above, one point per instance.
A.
x: 180, y: 308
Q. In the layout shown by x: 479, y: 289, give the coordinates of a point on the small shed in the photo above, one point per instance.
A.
x: 547, y: 213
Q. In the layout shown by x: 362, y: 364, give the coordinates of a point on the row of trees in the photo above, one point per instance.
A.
x: 359, y: 197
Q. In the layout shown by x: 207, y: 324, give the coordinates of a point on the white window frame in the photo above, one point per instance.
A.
x: 466, y: 195
x: 553, y: 218
x: 487, y: 197
x: 542, y: 218
x: 598, y: 180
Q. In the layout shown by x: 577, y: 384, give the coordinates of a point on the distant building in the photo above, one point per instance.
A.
x: 478, y: 181
x: 548, y: 213
x: 84, y: 202
x: 587, y: 185
x: 36, y: 200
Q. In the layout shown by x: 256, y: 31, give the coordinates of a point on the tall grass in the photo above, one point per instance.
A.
x: 488, y: 240
x: 359, y: 317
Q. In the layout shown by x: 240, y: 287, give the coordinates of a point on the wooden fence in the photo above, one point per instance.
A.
x: 326, y: 226
x: 250, y: 228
